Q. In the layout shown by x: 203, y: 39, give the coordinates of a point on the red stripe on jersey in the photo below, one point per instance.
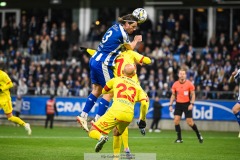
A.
x: 106, y: 88
x: 143, y: 99
x: 141, y: 59
x: 120, y: 120
x: 98, y: 129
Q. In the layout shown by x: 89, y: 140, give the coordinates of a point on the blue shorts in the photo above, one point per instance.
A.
x: 99, y: 72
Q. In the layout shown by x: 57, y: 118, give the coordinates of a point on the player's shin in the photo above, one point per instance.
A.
x: 125, y: 138
x: 116, y: 144
x: 16, y: 120
x: 95, y: 134
x: 91, y: 100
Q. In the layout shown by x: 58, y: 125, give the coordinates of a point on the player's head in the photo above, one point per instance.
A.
x: 129, y: 70
x: 182, y: 74
x: 129, y: 23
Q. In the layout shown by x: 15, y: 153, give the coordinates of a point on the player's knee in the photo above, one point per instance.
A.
x: 10, y: 118
x: 236, y: 109
x: 190, y: 122
x: 116, y: 132
x: 108, y: 97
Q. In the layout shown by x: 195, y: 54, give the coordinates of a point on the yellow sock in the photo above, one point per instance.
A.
x: 95, y: 134
x: 125, y: 138
x: 16, y: 120
x: 117, y: 144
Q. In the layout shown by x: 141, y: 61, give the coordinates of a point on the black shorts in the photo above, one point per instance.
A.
x: 183, y: 107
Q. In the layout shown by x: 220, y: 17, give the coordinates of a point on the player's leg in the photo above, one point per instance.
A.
x: 189, y: 120
x: 117, y: 142
x: 103, y: 105
x: 46, y: 121
x: 118, y: 135
x: 178, y: 129
x: 104, y: 125
x: 51, y: 120
x: 100, y: 74
x: 125, y: 140
x: 95, y: 73
x: 152, y: 125
x: 236, y: 112
x: 177, y: 117
x: 156, y: 125
x: 7, y: 108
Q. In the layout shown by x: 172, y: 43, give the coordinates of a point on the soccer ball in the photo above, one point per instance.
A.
x: 140, y: 14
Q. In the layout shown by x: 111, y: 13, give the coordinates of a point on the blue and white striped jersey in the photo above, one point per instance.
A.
x: 111, y: 44
x: 237, y: 80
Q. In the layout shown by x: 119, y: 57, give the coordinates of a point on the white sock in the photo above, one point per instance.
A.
x: 84, y: 115
x: 97, y: 117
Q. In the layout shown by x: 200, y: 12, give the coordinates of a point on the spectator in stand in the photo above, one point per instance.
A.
x: 36, y: 49
x: 38, y: 88
x: 63, y: 48
x: 22, y: 88
x: 74, y: 34
x: 170, y: 24
x: 62, y: 89
x: 23, y: 31
x: 55, y: 48
x: 54, y: 31
x: 33, y: 27
x: 160, y: 27
x: 45, y: 47
x: 52, y: 88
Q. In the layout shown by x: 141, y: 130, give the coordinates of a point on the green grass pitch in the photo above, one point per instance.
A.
x: 70, y: 143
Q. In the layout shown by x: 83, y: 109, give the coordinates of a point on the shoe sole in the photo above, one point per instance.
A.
x: 99, y: 145
x: 81, y: 124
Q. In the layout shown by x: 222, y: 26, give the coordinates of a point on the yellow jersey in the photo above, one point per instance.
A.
x: 5, y: 85
x: 126, y: 93
x: 126, y: 57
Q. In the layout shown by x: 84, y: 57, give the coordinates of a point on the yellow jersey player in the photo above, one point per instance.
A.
x: 126, y: 57
x: 126, y: 93
x: 5, y: 99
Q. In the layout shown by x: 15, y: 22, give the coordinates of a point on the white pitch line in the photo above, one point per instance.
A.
x: 63, y: 137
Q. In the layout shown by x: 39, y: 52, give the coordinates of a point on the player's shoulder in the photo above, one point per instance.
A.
x: 2, y: 72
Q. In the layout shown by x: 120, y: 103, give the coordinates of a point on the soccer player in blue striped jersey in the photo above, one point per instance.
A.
x: 113, y: 42
x: 236, y: 108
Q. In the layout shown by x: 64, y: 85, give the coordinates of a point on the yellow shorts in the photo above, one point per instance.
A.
x: 108, y: 121
x: 6, y: 106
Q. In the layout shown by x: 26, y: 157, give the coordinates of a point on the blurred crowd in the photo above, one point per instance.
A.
x: 43, y: 57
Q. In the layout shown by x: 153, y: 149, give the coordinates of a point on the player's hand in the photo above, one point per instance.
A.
x: 170, y: 108
x: 142, y: 130
x: 190, y: 107
x: 141, y: 124
x: 138, y: 38
x: 83, y: 49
